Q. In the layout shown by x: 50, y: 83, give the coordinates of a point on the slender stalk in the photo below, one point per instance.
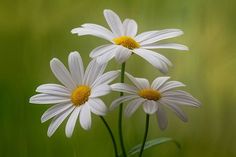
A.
x: 122, y: 79
x: 145, y: 135
x: 112, y: 136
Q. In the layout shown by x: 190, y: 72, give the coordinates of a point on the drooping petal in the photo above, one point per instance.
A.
x: 181, y: 98
x: 171, y: 85
x: 166, y: 46
x: 106, y: 57
x: 158, y: 82
x: 133, y: 106
x: 106, y: 78
x: 48, y: 99
x: 76, y: 67
x: 98, y: 107
x: 56, y: 122
x: 161, y: 35
x: 70, y: 125
x: 150, y: 106
x: 122, y: 54
x: 161, y: 117
x: 130, y: 27
x: 100, y: 90
x: 101, y: 50
x: 53, y: 89
x: 122, y: 99
x: 85, y: 117
x: 114, y: 22
x: 179, y: 113
x: 157, y: 60
x: 121, y: 87
x: 61, y: 73
x: 54, y: 111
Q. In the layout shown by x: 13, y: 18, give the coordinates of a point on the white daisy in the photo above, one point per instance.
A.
x: 125, y: 42
x: 154, y: 97
x: 78, y: 96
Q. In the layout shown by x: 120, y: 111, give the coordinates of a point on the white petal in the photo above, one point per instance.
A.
x: 122, y: 99
x: 100, y: 90
x: 181, y: 97
x: 122, y: 54
x: 161, y: 35
x: 100, y: 29
x: 101, y: 50
x: 158, y: 82
x: 48, y: 99
x: 61, y: 73
x: 161, y: 118
x: 179, y: 113
x: 114, y: 22
x: 85, y: 117
x: 56, y: 122
x: 121, y: 87
x: 130, y: 27
x: 145, y: 35
x: 140, y: 83
x: 166, y: 46
x: 98, y: 107
x: 133, y: 106
x: 54, y: 111
x: 53, y: 89
x: 93, y: 71
x: 70, y: 125
x: 106, y: 78
x: 150, y: 106
x: 106, y: 57
x: 170, y: 85
x: 157, y: 60
x: 94, y: 30
x: 76, y: 67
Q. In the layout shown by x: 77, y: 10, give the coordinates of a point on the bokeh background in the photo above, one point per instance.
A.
x: 34, y: 31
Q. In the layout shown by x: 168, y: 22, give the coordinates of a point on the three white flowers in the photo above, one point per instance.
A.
x: 79, y: 93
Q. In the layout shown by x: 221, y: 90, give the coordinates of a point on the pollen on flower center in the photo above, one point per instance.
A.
x: 127, y: 42
x: 80, y: 95
x: 150, y: 94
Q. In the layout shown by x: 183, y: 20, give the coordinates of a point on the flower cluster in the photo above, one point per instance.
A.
x: 81, y: 89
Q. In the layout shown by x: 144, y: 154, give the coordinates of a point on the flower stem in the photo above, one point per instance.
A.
x: 145, y: 135
x: 122, y: 78
x: 112, y: 136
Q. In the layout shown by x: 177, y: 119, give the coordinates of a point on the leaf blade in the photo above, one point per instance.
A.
x: 152, y: 143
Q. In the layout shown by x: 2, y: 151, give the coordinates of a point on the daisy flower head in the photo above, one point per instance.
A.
x: 125, y: 41
x: 154, y: 98
x: 78, y: 95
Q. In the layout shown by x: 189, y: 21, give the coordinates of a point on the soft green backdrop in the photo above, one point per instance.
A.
x: 34, y: 31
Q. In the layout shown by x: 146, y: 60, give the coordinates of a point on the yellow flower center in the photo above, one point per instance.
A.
x: 80, y: 95
x: 150, y: 94
x: 127, y: 42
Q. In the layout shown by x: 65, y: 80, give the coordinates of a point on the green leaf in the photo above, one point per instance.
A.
x: 152, y: 143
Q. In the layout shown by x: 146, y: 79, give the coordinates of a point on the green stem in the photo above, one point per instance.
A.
x: 145, y: 135
x: 122, y: 78
x: 112, y: 136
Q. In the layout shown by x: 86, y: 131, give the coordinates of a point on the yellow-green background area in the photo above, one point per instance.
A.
x: 32, y: 32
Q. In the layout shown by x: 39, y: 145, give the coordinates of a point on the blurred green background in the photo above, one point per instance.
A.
x: 34, y: 31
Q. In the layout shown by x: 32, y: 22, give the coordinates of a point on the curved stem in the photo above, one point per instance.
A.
x: 145, y: 135
x: 122, y: 78
x: 112, y: 136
